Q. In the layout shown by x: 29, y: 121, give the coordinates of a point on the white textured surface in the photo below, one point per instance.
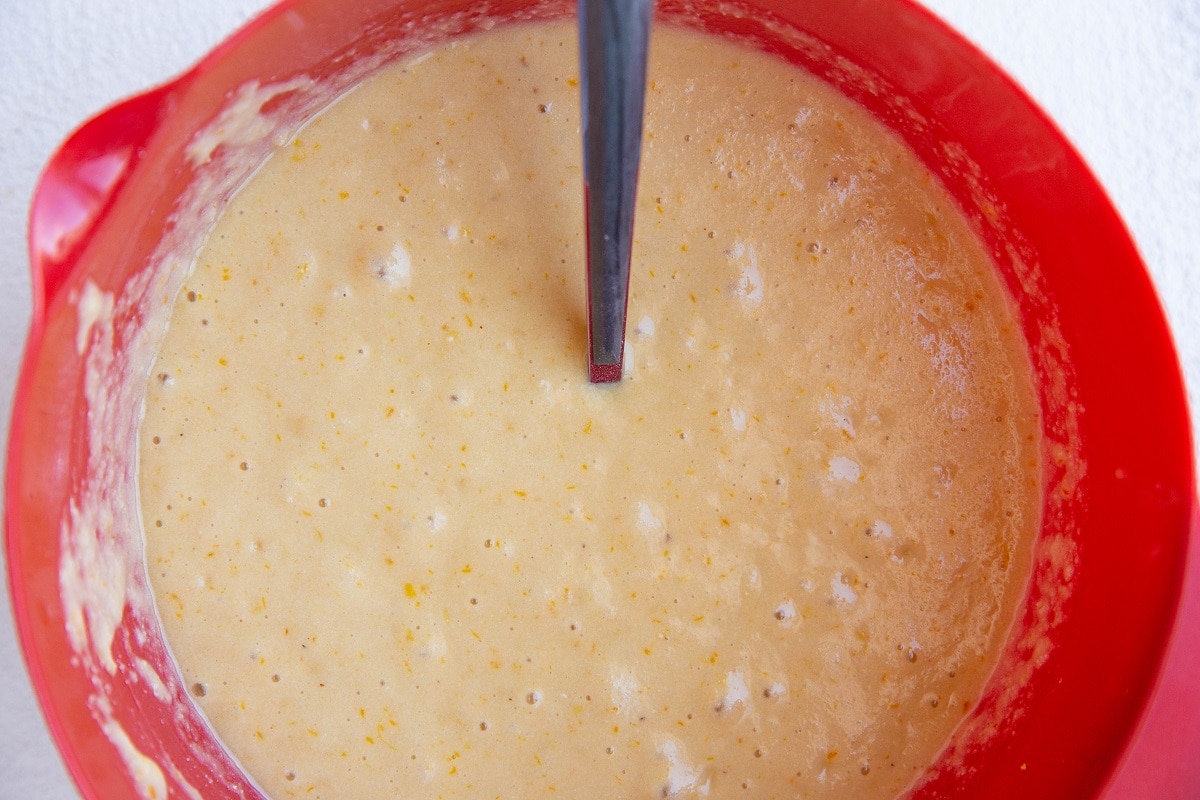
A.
x: 1122, y: 79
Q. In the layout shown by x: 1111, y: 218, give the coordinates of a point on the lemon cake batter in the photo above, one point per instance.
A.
x: 401, y: 548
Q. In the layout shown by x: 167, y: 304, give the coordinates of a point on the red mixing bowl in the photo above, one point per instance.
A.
x: 1095, y: 693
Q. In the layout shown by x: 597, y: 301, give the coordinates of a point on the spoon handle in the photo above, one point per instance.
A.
x: 614, y: 38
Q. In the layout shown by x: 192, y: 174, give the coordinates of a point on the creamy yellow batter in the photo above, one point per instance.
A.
x: 400, y: 546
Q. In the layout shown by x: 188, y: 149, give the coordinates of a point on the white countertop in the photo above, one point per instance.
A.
x: 1122, y: 80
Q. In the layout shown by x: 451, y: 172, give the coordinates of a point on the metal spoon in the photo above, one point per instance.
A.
x: 614, y: 37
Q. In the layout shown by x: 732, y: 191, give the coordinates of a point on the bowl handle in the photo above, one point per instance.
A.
x: 79, y: 184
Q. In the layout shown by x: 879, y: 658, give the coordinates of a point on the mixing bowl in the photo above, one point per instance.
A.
x: 1093, y: 694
